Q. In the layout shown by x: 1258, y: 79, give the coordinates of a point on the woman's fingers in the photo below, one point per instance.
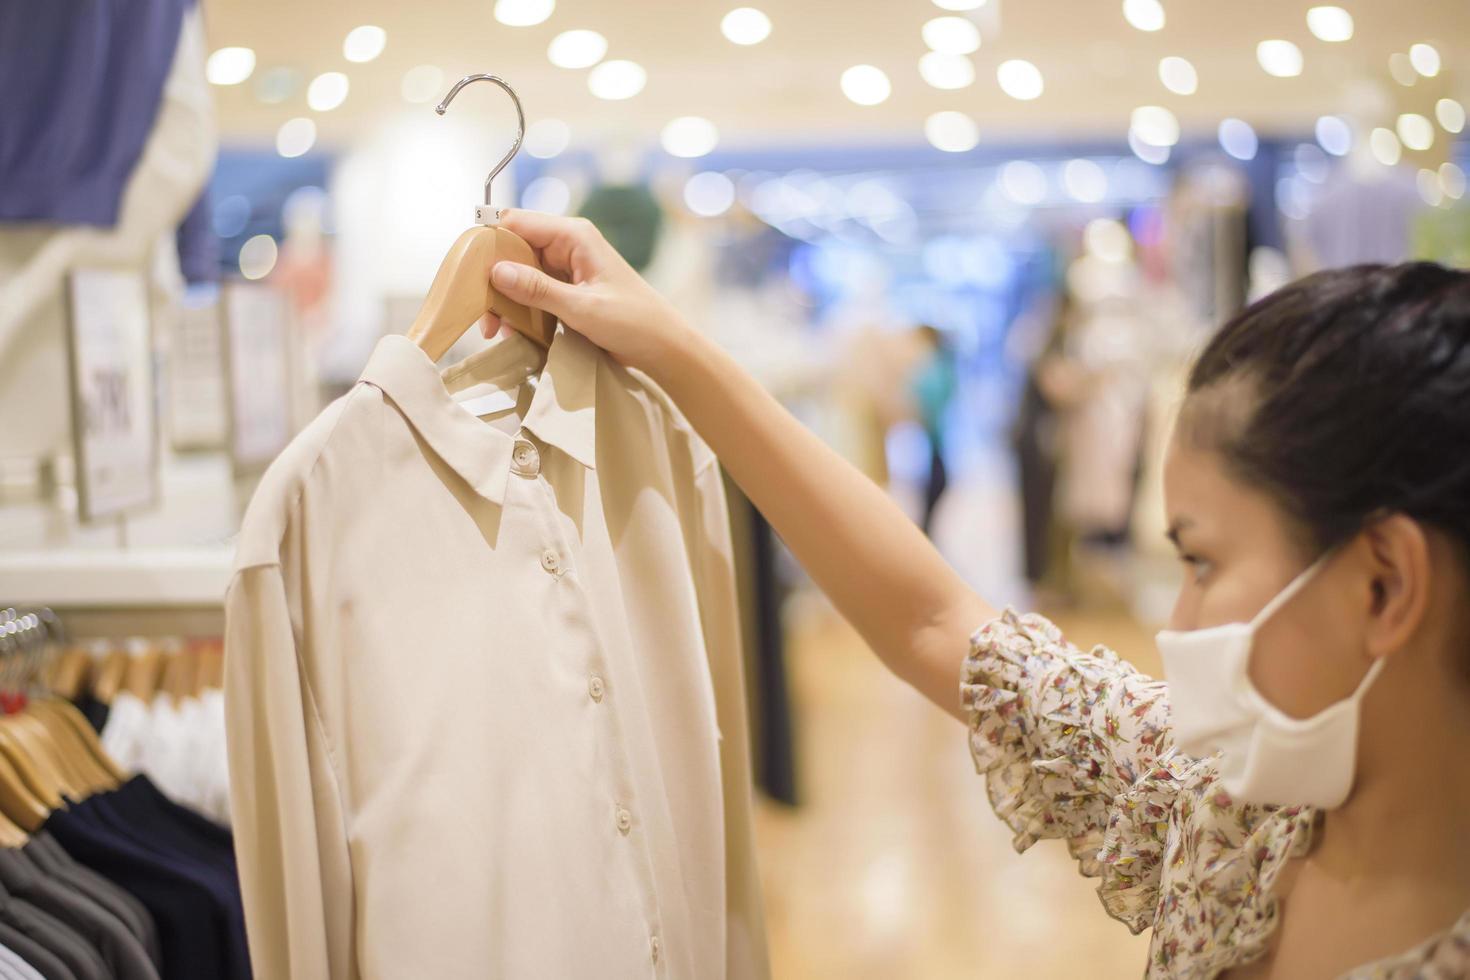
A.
x: 535, y: 288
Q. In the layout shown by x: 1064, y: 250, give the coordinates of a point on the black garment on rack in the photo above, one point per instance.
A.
x: 124, y: 955
x: 52, y: 859
x: 156, y: 851
x: 94, y: 711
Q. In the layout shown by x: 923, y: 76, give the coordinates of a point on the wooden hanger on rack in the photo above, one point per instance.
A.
x: 461, y: 292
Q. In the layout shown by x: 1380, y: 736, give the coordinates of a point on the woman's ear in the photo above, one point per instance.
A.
x: 1399, y: 562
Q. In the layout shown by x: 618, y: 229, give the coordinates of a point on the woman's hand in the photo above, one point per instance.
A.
x: 589, y: 287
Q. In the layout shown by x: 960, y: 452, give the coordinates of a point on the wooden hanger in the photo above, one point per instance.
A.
x: 212, y: 666
x: 112, y: 774
x: 145, y: 670
x: 36, y: 774
x: 68, y: 673
x: 179, y: 671
x: 17, y: 801
x: 108, y: 674
x: 461, y: 292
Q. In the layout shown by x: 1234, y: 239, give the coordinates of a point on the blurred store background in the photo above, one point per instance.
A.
x: 972, y: 243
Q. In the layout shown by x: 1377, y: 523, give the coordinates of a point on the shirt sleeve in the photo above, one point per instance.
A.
x: 289, y: 839
x: 719, y: 613
x: 1073, y: 746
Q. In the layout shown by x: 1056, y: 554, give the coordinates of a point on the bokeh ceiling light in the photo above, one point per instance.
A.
x: 364, y: 43
x: 1178, y: 75
x: 1280, y: 58
x: 953, y: 132
x: 1425, y: 59
x: 258, y: 257
x: 1020, y: 79
x: 576, y: 49
x: 1430, y: 189
x: 1147, y: 152
x: 1452, y: 179
x: 1023, y: 182
x: 327, y: 91
x: 709, y: 193
x: 1385, y: 146
x: 866, y: 85
x: 1085, y: 181
x: 1451, y: 115
x: 424, y: 83
x: 1108, y: 240
x: 1334, y: 135
x: 746, y: 25
x: 689, y: 137
x: 548, y: 194
x: 1238, y: 139
x: 947, y: 71
x: 1146, y: 15
x: 523, y: 13
x: 1330, y: 24
x: 617, y: 80
x: 952, y: 35
x: 546, y: 138
x: 1415, y: 131
x: 1402, y: 69
x: 229, y: 66
x: 295, y: 137
x: 1155, y: 125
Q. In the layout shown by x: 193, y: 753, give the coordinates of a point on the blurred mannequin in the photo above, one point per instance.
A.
x: 35, y: 259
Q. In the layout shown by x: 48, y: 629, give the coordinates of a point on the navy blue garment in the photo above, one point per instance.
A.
x: 182, y: 895
x: 80, y: 86
x: 138, y: 809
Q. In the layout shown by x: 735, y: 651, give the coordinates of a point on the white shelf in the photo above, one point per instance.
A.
x: 116, y: 578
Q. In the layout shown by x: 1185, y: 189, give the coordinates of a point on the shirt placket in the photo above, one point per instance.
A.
x: 558, y: 560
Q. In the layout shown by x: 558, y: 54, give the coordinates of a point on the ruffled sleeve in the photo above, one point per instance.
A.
x: 1074, y: 746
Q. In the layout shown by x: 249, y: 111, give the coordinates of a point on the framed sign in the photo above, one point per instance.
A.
x: 113, y: 403
x: 257, y: 373
x: 196, y: 381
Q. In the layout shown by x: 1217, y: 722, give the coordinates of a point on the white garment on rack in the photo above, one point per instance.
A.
x: 181, y: 748
x: 478, y: 669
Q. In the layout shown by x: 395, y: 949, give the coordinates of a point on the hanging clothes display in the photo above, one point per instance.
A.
x: 484, y: 691
x: 101, y: 875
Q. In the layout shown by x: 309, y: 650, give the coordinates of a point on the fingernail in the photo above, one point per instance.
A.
x: 505, y: 274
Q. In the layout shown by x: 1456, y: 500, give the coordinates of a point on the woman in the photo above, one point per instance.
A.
x: 1303, y: 812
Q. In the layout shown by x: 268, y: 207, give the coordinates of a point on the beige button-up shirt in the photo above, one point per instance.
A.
x: 484, y: 690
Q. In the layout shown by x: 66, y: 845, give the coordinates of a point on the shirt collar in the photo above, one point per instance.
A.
x: 562, y: 411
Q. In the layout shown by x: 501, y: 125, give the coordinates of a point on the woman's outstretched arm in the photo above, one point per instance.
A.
x: 879, y: 570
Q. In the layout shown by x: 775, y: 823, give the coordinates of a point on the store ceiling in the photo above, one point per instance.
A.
x: 1097, y: 68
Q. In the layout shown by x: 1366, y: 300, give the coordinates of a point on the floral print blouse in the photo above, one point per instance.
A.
x: 1077, y: 746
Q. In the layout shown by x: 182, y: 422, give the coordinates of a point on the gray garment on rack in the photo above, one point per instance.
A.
x: 125, y: 956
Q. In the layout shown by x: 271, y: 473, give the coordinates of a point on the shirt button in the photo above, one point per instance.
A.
x: 526, y: 458
x: 551, y: 561
x: 595, y: 688
x: 625, y: 821
x: 654, y: 946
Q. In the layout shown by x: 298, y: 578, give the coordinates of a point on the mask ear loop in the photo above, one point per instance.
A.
x: 1288, y: 593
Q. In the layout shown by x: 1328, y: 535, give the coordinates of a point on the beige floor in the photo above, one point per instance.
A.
x: 894, y: 867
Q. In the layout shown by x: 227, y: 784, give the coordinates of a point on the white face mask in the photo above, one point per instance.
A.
x: 1265, y: 755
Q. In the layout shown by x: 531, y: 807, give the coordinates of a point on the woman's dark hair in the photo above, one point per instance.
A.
x: 1344, y: 396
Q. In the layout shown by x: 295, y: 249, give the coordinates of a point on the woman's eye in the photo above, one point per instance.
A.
x: 1197, y: 565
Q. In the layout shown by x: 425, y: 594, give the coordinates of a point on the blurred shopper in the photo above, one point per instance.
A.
x: 933, y: 389
x: 1294, y: 801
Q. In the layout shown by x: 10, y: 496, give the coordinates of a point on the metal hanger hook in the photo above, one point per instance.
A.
x: 487, y: 212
